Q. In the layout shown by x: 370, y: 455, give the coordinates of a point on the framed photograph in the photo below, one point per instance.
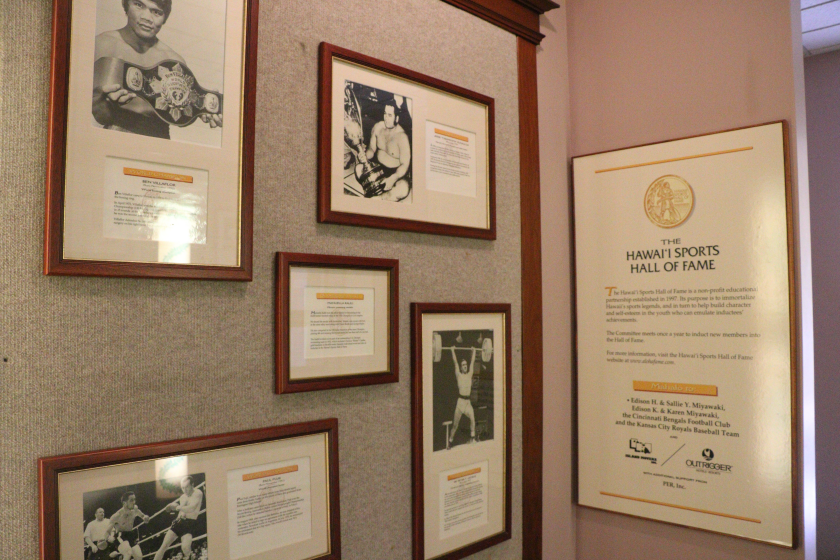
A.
x: 401, y: 150
x: 266, y: 494
x: 461, y: 428
x: 336, y: 322
x: 686, y: 330
x: 151, y: 143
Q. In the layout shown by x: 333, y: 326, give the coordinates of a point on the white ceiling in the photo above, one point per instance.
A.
x: 820, y: 26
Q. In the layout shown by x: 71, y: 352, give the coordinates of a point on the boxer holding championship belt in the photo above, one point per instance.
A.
x: 142, y: 85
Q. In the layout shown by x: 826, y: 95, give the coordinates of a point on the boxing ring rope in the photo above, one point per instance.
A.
x: 176, y: 545
x: 150, y: 537
x: 164, y: 508
x: 164, y: 530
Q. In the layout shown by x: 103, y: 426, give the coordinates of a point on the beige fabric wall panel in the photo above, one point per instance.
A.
x: 99, y: 363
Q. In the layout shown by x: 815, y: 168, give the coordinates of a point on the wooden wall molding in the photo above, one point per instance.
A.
x: 520, y: 17
x: 532, y: 325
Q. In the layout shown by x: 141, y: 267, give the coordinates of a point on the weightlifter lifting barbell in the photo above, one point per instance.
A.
x: 464, y: 376
x: 486, y: 348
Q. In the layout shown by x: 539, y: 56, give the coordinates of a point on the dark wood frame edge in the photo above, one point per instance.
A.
x: 50, y: 467
x: 525, y: 26
x: 793, y: 294
x: 283, y: 263
x: 326, y: 53
x: 417, y: 472
x: 54, y: 262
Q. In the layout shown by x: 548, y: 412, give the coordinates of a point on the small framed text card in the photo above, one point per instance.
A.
x: 336, y: 322
x: 686, y: 333
x: 267, y: 494
x: 150, y: 160
x: 461, y: 428
x: 401, y: 150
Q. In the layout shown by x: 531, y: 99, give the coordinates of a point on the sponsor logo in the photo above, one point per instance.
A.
x: 706, y: 465
x: 641, y: 448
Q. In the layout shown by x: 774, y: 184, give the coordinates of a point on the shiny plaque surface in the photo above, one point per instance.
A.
x: 684, y: 333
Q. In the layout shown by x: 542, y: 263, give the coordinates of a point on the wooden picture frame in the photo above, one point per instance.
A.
x: 128, y: 176
x: 442, y: 456
x: 75, y: 486
x: 313, y: 353
x: 446, y: 185
x: 700, y: 376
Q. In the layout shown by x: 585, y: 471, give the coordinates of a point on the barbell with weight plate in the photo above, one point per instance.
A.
x: 438, y: 348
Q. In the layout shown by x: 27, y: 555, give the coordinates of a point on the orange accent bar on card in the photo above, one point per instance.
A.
x: 679, y: 388
x: 340, y: 296
x: 463, y: 474
x: 452, y: 135
x: 708, y: 512
x: 148, y: 174
x: 266, y: 474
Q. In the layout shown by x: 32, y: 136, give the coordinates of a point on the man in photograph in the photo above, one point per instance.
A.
x: 98, y: 537
x: 464, y: 376
x: 389, y: 146
x: 187, y: 506
x: 114, y: 106
x: 123, y: 521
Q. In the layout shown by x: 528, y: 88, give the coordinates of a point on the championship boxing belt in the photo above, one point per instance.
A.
x: 171, y: 88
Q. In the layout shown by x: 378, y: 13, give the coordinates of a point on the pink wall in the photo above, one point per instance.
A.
x: 558, y: 418
x: 822, y: 94
x: 646, y: 71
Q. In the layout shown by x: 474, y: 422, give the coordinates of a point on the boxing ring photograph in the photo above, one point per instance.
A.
x: 154, y: 499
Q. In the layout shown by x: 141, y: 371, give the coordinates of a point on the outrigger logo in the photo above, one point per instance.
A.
x: 707, y: 466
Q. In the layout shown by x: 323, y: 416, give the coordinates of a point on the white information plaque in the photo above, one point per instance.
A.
x: 685, y: 356
x: 269, y: 506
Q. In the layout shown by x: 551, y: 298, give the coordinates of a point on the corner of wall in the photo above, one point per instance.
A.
x: 799, y: 172
x: 559, y: 520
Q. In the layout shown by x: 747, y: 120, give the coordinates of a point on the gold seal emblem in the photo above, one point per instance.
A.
x: 669, y: 201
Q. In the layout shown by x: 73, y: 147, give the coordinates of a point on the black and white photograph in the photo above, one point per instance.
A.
x: 158, y: 68
x: 377, y: 143
x: 157, y: 520
x: 462, y: 387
